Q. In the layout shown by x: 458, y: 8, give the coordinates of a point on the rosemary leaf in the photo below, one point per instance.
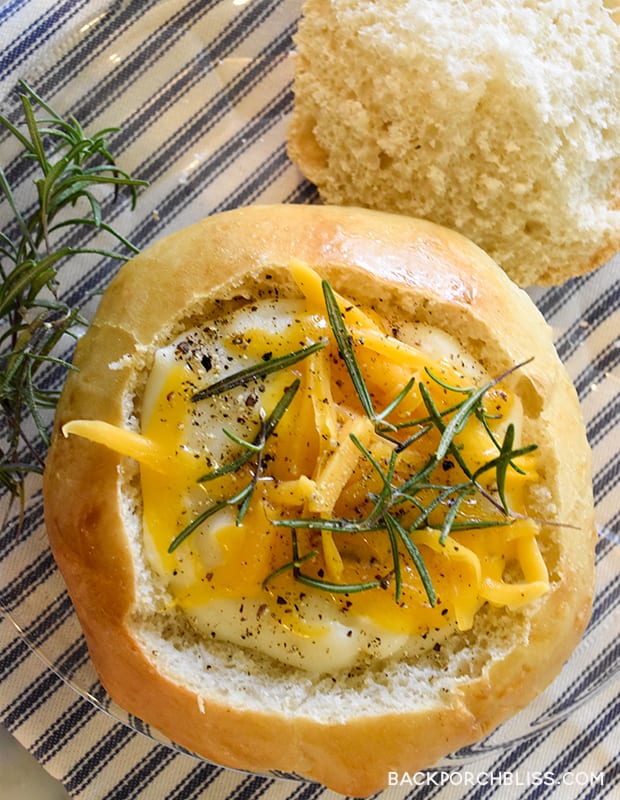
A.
x: 448, y: 386
x: 480, y: 524
x: 400, y: 533
x: 251, y: 446
x: 196, y: 523
x: 336, y: 588
x: 227, y: 469
x: 280, y: 408
x: 290, y: 565
x: 336, y: 524
x: 398, y: 580
x: 437, y: 501
x: 450, y: 517
x: 257, y: 371
x: 395, y: 403
x: 343, y: 340
x: 208, y: 512
x: 448, y: 431
x: 387, y: 477
x: 503, y: 461
x: 246, y: 500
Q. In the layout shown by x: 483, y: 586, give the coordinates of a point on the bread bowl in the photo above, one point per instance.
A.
x: 433, y: 665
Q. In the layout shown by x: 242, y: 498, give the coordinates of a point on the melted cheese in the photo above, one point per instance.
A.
x: 311, y: 468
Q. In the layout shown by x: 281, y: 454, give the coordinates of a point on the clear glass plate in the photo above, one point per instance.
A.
x: 201, y: 92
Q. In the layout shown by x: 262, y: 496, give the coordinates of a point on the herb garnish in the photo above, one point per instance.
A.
x: 34, y: 318
x: 252, y: 450
x: 257, y: 371
x: 399, y: 502
x: 404, y: 503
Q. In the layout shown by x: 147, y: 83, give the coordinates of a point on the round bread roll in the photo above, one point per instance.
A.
x: 243, y: 696
x: 497, y: 118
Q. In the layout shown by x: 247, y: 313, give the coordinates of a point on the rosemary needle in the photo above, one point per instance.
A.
x: 343, y: 340
x: 257, y: 371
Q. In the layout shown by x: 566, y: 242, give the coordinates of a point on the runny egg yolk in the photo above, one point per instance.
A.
x: 318, y: 597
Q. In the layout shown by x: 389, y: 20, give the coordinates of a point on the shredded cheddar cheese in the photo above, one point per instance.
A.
x: 326, y: 460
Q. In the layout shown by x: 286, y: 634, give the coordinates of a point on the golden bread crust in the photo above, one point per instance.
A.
x: 428, y: 271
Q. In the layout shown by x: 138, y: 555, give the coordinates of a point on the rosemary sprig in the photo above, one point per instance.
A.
x: 34, y: 319
x: 465, y: 410
x: 253, y: 449
x: 398, y: 509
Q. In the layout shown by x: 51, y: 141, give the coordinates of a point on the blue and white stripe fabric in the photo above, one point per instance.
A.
x: 201, y: 91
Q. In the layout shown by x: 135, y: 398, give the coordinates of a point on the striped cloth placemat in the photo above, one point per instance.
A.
x: 201, y: 91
